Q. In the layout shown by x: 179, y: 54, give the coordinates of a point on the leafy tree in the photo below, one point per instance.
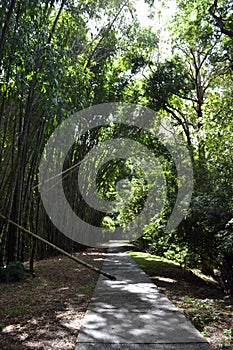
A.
x: 221, y: 11
x: 53, y: 63
x: 190, y: 89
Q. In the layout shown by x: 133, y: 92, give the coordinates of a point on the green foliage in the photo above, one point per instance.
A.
x: 191, y: 88
x: 60, y: 57
x: 56, y: 59
x: 149, y: 262
x: 225, y: 255
x: 109, y: 223
x: 225, y: 239
x: 165, y: 244
x: 14, y: 272
x: 170, y: 78
x: 202, y: 313
x: 88, y: 288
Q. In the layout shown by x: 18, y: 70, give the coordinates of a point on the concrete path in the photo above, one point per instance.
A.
x: 131, y: 313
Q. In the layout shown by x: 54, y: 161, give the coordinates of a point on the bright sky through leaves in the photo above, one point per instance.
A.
x: 162, y: 13
x: 159, y: 21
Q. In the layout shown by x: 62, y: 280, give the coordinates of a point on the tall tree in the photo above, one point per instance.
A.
x: 191, y: 87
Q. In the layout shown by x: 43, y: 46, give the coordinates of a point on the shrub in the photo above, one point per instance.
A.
x: 14, y: 272
x: 225, y: 255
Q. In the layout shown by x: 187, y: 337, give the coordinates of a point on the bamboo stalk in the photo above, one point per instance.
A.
x: 70, y: 256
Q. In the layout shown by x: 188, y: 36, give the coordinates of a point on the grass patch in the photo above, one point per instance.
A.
x: 149, y: 263
x: 196, y: 295
x: 19, y: 310
x: 202, y: 312
x: 88, y: 287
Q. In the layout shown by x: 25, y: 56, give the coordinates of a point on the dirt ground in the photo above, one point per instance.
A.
x: 45, y: 312
x: 203, y: 303
x: 198, y: 296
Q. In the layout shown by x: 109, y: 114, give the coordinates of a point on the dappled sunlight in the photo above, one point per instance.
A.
x: 48, y: 336
x: 9, y: 329
x: 132, y: 310
x: 196, y: 295
x: 50, y: 344
x: 62, y: 289
x: 46, y: 312
x: 140, y: 256
x: 17, y: 331
x: 165, y: 279
x: 170, y: 276
x: 70, y: 318
x: 93, y: 253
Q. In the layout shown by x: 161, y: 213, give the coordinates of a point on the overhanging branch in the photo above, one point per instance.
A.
x: 219, y: 20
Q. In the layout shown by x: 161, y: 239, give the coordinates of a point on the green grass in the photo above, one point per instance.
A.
x: 84, y: 299
x: 88, y: 287
x: 150, y: 262
x: 19, y: 310
x: 203, y: 313
x: 208, y: 312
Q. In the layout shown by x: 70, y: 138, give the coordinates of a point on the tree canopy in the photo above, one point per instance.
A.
x: 60, y: 57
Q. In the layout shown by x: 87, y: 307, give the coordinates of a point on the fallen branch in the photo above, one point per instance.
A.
x: 70, y: 256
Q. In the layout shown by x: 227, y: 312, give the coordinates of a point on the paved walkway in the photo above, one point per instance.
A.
x: 131, y: 313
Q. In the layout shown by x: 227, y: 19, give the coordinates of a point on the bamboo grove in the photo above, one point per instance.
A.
x: 60, y: 57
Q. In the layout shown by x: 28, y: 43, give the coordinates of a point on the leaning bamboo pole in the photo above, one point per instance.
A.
x: 70, y: 256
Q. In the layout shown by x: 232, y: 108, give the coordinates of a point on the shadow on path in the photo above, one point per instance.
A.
x: 131, y: 313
